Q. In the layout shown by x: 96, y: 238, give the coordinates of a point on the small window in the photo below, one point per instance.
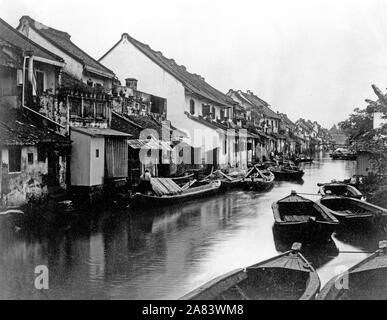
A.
x: 181, y: 153
x: 97, y: 153
x: 14, y: 159
x: 30, y: 158
x: 225, y: 145
x: 100, y: 110
x: 192, y: 107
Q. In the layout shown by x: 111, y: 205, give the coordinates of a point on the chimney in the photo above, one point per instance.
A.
x: 131, y: 83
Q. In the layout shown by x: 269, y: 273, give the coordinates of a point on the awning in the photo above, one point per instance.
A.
x: 103, y: 132
x: 149, y: 144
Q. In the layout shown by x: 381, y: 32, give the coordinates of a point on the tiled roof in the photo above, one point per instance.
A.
x: 62, y: 40
x: 212, y: 124
x: 192, y: 82
x: 149, y: 144
x: 135, y: 124
x: 103, y: 132
x: 15, y: 38
x: 286, y: 120
x: 15, y: 130
x: 10, y: 56
x: 262, y: 105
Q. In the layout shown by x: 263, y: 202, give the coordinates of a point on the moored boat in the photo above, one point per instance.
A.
x: 364, y: 281
x: 339, y: 189
x: 288, y: 276
x: 303, y: 158
x: 299, y: 218
x: 287, y: 172
x: 258, y: 180
x: 350, y: 211
x: 228, y: 181
x: 139, y: 199
x: 343, y: 154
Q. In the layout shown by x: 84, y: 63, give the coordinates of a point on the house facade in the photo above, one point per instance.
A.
x: 34, y: 159
x: 79, y: 64
x: 193, y: 105
x: 82, y: 109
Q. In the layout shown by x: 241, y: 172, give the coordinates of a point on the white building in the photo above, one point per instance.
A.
x: 78, y: 63
x: 193, y: 105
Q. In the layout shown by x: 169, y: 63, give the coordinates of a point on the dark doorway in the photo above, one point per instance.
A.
x: 53, y: 169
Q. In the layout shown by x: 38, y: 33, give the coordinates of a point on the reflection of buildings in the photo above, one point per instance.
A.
x: 97, y: 257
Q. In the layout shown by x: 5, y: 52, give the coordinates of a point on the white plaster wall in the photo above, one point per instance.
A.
x: 97, y: 165
x: 80, y: 159
x: 72, y: 66
x: 126, y: 61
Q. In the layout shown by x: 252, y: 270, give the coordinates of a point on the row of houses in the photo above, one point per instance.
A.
x: 71, y: 122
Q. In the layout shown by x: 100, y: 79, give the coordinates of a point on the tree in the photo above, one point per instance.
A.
x: 359, y: 123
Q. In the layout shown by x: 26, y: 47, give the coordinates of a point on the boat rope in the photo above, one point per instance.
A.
x: 356, y: 251
x: 308, y: 194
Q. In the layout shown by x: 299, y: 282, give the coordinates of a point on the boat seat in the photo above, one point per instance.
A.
x: 296, y: 218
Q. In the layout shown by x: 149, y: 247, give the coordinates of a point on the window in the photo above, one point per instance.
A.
x: 30, y: 158
x: 75, y: 108
x: 192, y: 107
x: 181, y: 153
x: 88, y: 109
x: 39, y: 82
x: 213, y: 112
x: 225, y: 145
x: 14, y: 159
x: 100, y: 110
x: 205, y: 110
x: 97, y: 153
x: 222, y: 114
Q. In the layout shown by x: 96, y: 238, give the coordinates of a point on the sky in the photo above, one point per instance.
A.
x: 314, y: 59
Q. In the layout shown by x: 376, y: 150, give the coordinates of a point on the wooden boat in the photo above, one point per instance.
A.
x: 303, y: 158
x: 300, y: 218
x: 364, y: 281
x: 258, y: 180
x: 228, y: 181
x: 189, y: 193
x: 287, y: 172
x: 354, y: 211
x: 288, y: 276
x: 339, y: 189
x: 182, y: 180
x: 343, y: 154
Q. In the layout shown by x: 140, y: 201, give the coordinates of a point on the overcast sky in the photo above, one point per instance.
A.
x: 314, y: 59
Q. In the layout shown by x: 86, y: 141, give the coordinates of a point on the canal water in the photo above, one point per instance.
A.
x: 165, y: 253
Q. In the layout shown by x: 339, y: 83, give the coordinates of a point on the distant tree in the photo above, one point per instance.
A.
x: 359, y: 123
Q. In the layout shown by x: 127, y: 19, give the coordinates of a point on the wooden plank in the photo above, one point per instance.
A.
x: 188, y: 184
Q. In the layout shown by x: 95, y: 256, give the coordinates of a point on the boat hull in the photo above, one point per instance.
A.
x: 288, y: 276
x: 316, y: 231
x: 353, y: 213
x: 282, y: 175
x: 363, y: 281
x: 141, y: 200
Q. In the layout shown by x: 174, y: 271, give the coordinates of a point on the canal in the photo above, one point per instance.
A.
x: 165, y: 254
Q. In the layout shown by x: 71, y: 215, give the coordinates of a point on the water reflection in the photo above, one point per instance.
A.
x: 165, y: 252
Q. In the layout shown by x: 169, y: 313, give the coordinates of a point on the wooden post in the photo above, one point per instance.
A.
x: 82, y: 106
